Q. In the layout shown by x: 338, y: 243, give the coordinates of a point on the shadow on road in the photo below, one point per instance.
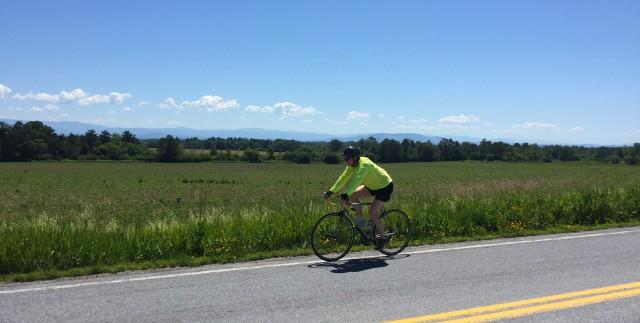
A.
x: 356, y: 265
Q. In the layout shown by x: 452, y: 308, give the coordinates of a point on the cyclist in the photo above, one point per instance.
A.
x: 377, y: 183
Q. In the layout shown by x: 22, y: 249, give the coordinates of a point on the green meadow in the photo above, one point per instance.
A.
x: 71, y: 218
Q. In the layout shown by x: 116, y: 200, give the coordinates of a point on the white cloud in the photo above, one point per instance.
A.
x: 535, y: 126
x: 459, y: 119
x: 143, y: 103
x: 355, y: 115
x: 307, y: 121
x: 288, y: 109
x: 94, y: 99
x: 169, y: 103
x: 111, y: 112
x: 52, y: 108
x: 75, y: 96
x: 418, y: 121
x: 4, y: 90
x: 211, y: 103
x: 255, y: 108
x: 113, y: 97
x: 342, y: 122
x: 381, y: 115
x: 46, y: 108
x: 285, y: 109
x: 46, y: 97
x: 575, y: 129
x: 252, y: 108
x: 126, y: 109
x: 61, y: 117
x: 405, y: 123
x: 118, y: 97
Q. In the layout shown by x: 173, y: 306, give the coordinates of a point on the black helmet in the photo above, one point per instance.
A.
x: 351, y: 152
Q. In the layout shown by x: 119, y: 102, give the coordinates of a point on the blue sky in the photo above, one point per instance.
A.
x: 560, y: 71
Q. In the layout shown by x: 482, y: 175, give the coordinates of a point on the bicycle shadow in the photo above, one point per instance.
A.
x: 357, y: 265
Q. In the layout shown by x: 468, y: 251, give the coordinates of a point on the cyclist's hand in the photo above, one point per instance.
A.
x: 344, y: 197
x: 327, y: 195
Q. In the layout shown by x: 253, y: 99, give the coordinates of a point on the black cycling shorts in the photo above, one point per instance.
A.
x: 383, y: 194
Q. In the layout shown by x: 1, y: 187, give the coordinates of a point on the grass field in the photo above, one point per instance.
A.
x: 62, y: 218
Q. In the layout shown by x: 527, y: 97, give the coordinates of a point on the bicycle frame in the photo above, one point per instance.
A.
x: 349, y: 213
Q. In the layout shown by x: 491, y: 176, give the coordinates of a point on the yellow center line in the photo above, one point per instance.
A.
x: 548, y: 307
x: 535, y: 303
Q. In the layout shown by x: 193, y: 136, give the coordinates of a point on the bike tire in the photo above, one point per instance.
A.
x: 398, y: 225
x: 332, y: 236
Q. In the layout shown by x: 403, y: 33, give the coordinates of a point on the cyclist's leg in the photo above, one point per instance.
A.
x: 381, y: 196
x: 374, y: 215
x: 359, y: 193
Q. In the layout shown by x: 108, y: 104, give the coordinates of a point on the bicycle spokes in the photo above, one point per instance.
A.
x: 397, y: 231
x: 332, y: 237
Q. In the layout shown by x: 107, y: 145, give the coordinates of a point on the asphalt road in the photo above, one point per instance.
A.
x: 370, y: 288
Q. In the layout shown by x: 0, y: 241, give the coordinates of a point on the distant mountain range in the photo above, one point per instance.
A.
x: 68, y: 127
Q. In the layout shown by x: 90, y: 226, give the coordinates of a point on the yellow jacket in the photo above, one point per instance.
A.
x: 365, y: 172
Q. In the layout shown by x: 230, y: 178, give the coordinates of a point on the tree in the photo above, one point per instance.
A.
x: 104, y: 137
x: 565, y: 153
x: 449, y: 149
x: 369, y: 145
x: 408, y: 150
x: 129, y: 138
x: 390, y: 151
x: 335, y: 145
x: 90, y: 141
x: 4, y: 139
x: 169, y: 150
x: 426, y: 151
x: 27, y: 141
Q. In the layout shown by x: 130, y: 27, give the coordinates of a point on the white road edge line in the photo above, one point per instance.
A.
x: 215, y: 271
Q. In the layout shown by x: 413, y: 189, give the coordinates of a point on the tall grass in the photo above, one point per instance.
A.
x: 69, y: 215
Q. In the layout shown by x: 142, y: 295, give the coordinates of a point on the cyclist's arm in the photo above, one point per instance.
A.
x: 342, y: 180
x: 358, y: 178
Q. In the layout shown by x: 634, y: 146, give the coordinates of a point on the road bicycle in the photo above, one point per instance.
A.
x: 334, y: 233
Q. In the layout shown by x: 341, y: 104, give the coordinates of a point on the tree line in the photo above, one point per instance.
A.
x: 34, y: 140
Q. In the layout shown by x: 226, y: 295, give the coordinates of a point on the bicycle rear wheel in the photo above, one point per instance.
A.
x: 397, y: 227
x: 332, y: 237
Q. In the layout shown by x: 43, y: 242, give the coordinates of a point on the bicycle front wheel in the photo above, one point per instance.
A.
x: 332, y: 237
x: 397, y: 227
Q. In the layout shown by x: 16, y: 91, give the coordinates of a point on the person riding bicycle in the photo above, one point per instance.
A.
x: 377, y: 183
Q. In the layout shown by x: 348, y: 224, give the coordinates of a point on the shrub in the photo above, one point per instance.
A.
x: 631, y: 160
x: 331, y: 159
x: 251, y: 156
x: 614, y: 159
